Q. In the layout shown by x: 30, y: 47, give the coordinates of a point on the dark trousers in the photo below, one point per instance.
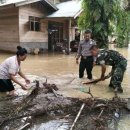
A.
x: 6, y: 85
x: 86, y: 64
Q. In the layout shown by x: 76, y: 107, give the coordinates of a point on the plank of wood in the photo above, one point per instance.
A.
x: 25, y: 126
x: 82, y: 107
x: 98, y: 80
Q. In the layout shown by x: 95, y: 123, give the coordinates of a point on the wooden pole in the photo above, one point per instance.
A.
x: 25, y: 126
x: 54, y: 92
x: 98, y: 80
x: 82, y: 107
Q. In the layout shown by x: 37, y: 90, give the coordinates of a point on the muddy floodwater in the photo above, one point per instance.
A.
x: 62, y: 70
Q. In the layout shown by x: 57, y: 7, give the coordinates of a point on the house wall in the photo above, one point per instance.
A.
x: 9, y: 34
x: 32, y: 39
x: 15, y: 28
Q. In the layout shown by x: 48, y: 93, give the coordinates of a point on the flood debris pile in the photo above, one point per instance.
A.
x: 42, y: 100
x: 94, y: 114
x: 98, y: 114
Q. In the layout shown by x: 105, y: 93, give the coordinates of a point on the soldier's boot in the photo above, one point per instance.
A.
x: 118, y: 89
x: 111, y: 86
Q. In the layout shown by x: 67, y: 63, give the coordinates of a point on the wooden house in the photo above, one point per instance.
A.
x: 36, y: 23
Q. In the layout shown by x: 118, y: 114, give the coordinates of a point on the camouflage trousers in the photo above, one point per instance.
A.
x: 118, y: 74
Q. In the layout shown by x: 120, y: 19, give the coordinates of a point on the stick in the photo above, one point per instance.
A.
x: 100, y: 113
x: 89, y: 92
x: 54, y: 92
x: 77, y: 116
x: 98, y: 80
x: 23, y: 127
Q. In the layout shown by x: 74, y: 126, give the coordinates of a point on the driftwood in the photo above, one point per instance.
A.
x: 82, y: 107
x: 25, y: 126
x: 42, y: 101
x: 97, y: 80
x: 20, y: 106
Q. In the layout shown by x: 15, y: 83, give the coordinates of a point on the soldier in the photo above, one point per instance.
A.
x: 114, y: 59
x: 85, y: 54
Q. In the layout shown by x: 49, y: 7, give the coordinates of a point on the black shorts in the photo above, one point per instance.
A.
x: 6, y: 85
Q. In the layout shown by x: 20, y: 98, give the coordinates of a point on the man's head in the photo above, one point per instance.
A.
x: 87, y: 34
x: 94, y: 50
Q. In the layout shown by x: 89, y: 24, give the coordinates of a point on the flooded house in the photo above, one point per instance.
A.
x: 37, y: 23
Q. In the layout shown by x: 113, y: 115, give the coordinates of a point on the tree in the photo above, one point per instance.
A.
x: 123, y: 30
x: 123, y: 27
x: 102, y: 16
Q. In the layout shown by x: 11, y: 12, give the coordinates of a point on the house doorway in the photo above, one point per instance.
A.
x: 55, y: 35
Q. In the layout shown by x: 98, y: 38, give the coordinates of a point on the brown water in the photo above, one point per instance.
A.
x: 63, y: 71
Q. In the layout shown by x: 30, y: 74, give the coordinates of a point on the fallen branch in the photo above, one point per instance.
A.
x: 97, y: 80
x: 25, y: 126
x: 19, y: 107
x: 82, y: 107
x: 94, y: 111
x: 89, y: 92
x: 54, y: 92
x: 100, y: 113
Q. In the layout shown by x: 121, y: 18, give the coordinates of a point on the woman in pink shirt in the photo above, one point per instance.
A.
x: 9, y: 69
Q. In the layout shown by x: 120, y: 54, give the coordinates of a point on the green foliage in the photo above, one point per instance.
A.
x: 103, y: 17
x: 123, y: 30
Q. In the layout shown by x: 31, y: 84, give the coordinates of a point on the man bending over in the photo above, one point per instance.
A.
x: 114, y: 59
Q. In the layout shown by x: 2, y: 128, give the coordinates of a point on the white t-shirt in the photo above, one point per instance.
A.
x: 9, y: 66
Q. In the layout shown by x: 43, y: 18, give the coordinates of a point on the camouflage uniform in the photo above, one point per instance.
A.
x: 118, y: 63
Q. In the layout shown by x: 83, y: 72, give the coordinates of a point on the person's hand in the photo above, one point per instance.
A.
x: 77, y: 61
x: 27, y: 81
x: 24, y: 87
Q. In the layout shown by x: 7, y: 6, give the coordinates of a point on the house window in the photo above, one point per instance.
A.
x: 34, y: 23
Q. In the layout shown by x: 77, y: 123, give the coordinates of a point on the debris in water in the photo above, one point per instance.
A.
x: 95, y: 112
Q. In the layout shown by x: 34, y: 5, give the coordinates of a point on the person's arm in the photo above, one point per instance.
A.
x: 101, y: 61
x: 24, y: 77
x: 103, y: 71
x: 78, y: 53
x: 13, y: 78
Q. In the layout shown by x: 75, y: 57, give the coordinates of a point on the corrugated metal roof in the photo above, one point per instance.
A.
x: 24, y: 2
x: 67, y: 9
